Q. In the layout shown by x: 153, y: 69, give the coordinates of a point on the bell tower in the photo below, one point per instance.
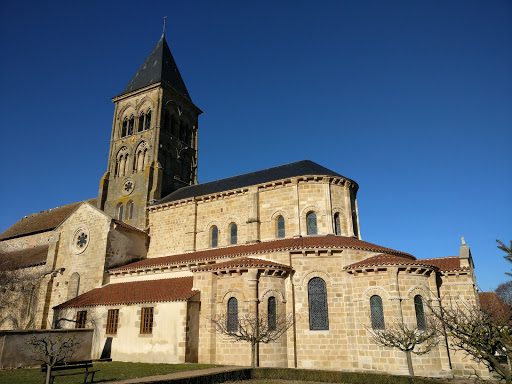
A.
x: 153, y: 147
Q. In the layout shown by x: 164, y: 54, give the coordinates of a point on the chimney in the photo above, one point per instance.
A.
x: 465, y: 255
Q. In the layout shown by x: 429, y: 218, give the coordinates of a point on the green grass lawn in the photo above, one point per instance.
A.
x: 109, y: 371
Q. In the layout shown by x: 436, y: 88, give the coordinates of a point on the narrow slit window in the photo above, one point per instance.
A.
x: 124, y: 131
x: 272, y: 314
x: 234, y: 233
x: 420, y: 312
x: 311, y: 223
x: 317, y: 300
x: 337, y: 224
x: 281, y: 233
x: 112, y: 320
x: 146, y: 321
x: 130, y: 210
x: 232, y: 325
x: 377, y: 312
x: 214, y: 236
x: 120, y: 212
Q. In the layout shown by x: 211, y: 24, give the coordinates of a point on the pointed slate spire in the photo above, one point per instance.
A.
x: 158, y: 66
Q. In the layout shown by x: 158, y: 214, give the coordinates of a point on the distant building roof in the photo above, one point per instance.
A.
x: 41, y: 221
x: 158, y: 66
x: 136, y: 292
x: 244, y: 262
x: 299, y: 168
x: 28, y: 257
x: 313, y: 242
x: 495, y: 306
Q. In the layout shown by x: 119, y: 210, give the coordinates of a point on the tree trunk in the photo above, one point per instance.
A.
x: 409, y: 363
x: 253, y: 355
x: 48, y: 373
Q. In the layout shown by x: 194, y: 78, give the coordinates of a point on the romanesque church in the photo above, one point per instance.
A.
x: 156, y: 255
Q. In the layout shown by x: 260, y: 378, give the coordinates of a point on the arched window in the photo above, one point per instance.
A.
x: 377, y: 313
x: 130, y: 209
x: 272, y: 313
x: 214, y: 236
x: 73, y: 286
x: 183, y: 132
x: 280, y: 227
x: 337, y: 224
x: 317, y: 299
x: 420, y: 312
x: 131, y: 123
x: 232, y: 315
x: 124, y: 130
x: 147, y: 124
x: 311, y: 223
x: 141, y: 123
x: 120, y: 211
x: 233, y: 233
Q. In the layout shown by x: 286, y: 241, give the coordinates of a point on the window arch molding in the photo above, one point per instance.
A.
x: 272, y: 292
x: 223, y: 299
x: 142, y: 104
x: 324, y: 275
x: 371, y: 291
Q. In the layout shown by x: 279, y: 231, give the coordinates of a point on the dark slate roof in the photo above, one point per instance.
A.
x: 41, y: 221
x: 24, y: 258
x: 158, y: 66
x: 299, y: 168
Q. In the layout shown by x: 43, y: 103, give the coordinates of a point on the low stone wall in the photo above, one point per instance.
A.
x: 15, y: 352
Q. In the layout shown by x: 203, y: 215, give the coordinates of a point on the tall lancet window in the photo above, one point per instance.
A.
x: 233, y: 234
x: 317, y: 298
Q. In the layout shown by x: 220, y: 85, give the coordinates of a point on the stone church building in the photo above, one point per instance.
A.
x: 157, y: 255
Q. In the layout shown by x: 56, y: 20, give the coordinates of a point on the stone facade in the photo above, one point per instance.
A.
x: 158, y: 256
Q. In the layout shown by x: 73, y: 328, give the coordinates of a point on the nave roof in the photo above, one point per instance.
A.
x: 299, y: 168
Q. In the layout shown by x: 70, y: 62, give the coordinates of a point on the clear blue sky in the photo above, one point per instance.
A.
x: 412, y: 99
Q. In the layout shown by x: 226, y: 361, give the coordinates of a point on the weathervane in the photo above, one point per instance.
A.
x: 163, y: 31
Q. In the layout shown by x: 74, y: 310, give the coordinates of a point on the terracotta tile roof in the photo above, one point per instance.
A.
x: 148, y: 291
x: 446, y: 264
x: 122, y: 224
x: 493, y: 304
x: 24, y: 258
x: 382, y: 260
x: 41, y: 221
x: 312, y: 242
x: 244, y: 262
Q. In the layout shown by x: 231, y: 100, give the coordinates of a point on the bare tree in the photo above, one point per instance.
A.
x: 504, y: 292
x: 253, y: 329
x: 52, y: 349
x: 482, y: 332
x: 407, y: 339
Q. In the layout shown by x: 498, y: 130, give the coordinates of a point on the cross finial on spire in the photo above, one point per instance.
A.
x: 163, y: 31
